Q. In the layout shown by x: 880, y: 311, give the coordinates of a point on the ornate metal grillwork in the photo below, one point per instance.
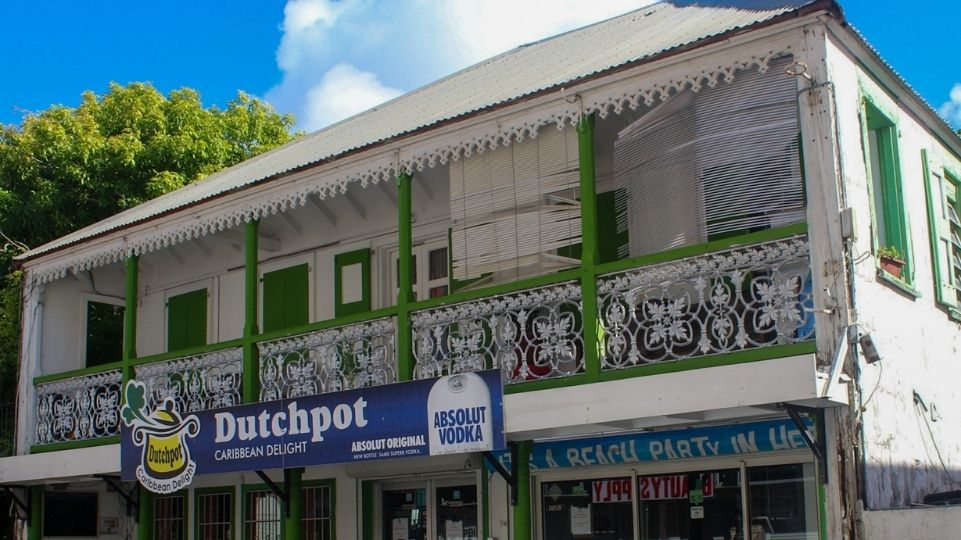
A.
x: 747, y: 297
x: 79, y: 408
x: 534, y: 334
x: 342, y: 358
x: 195, y: 383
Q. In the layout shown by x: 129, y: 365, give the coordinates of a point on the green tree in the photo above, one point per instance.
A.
x: 64, y: 168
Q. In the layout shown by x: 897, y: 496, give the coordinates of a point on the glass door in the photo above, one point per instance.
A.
x: 405, y: 514
x: 456, y: 512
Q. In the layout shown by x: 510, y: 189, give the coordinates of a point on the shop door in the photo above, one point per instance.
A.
x: 434, y: 510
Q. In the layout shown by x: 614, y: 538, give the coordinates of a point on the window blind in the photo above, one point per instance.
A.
x: 717, y: 163
x: 513, y: 207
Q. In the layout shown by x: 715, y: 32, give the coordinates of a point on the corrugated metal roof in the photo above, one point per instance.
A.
x: 526, y: 70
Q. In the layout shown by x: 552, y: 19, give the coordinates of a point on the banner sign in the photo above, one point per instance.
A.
x: 165, y: 448
x: 672, y: 486
x: 727, y: 440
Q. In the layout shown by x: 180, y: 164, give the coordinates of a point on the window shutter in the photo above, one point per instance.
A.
x: 719, y: 162
x: 286, y: 298
x: 513, y: 207
x: 941, y: 193
x: 187, y: 320
x: 352, y: 282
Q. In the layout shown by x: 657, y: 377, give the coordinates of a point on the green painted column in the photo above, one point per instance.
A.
x: 35, y: 526
x: 405, y: 293
x: 250, y: 388
x: 485, y: 500
x: 293, y: 521
x: 132, y: 267
x: 522, y: 510
x: 144, y: 513
x: 367, y: 510
x: 589, y: 255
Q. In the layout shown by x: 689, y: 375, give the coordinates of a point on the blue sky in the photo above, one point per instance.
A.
x: 324, y: 60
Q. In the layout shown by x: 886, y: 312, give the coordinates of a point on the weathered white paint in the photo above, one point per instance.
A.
x: 920, y: 345
x: 544, y: 412
x: 913, y: 524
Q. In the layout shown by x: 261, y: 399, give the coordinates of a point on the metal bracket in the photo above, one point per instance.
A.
x: 133, y: 503
x: 816, y: 442
x: 277, y: 490
x: 509, y: 477
x: 22, y: 504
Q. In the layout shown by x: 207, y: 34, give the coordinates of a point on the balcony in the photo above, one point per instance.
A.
x: 719, y: 303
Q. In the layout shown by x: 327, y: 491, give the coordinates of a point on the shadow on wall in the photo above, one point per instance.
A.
x: 892, y: 486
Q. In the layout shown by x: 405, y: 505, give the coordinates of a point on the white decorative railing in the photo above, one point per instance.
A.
x: 79, y: 408
x: 342, y: 358
x: 532, y: 334
x: 742, y: 298
x: 195, y: 383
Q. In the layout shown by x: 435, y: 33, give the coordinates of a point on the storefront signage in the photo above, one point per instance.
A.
x: 672, y: 486
x: 727, y: 440
x: 164, y: 448
x: 611, y: 490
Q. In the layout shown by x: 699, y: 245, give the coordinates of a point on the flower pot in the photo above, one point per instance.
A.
x: 892, y: 265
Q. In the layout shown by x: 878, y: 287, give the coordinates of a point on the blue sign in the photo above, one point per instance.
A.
x: 704, y: 442
x: 164, y: 448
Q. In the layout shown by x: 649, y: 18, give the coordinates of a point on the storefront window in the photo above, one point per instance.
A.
x: 695, y: 506
x: 262, y: 513
x: 783, y: 502
x: 405, y: 514
x: 598, y: 509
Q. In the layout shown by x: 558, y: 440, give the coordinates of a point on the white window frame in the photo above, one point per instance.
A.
x: 85, y: 299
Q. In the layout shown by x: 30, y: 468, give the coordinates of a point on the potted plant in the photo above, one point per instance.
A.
x: 891, y: 259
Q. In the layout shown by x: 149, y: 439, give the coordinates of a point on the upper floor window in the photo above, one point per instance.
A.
x: 187, y: 320
x: 103, y: 331
x: 708, y: 165
x: 887, y: 200
x: 944, y: 208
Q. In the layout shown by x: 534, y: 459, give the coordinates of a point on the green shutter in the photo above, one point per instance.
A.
x: 346, y: 267
x: 286, y: 298
x: 187, y: 320
x: 612, y: 235
x: 936, y: 188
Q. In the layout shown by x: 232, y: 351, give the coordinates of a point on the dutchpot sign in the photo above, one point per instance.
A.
x: 164, y: 448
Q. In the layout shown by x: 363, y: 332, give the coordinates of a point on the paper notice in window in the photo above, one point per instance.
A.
x: 399, y: 529
x: 454, y: 530
x: 580, y: 520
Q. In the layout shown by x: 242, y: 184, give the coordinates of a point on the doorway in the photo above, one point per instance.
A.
x: 440, y: 509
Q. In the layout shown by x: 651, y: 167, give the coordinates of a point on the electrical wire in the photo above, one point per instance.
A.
x: 921, y: 410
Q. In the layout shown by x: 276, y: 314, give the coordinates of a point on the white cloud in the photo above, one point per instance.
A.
x: 951, y: 110
x: 343, y: 92
x: 338, y: 55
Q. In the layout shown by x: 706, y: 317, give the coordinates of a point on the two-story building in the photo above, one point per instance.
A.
x: 712, y: 250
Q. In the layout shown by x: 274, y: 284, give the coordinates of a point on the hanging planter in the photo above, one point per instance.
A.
x: 892, y: 262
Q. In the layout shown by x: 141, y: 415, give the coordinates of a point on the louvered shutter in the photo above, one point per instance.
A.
x: 187, y: 320
x: 513, y: 207
x: 944, y: 225
x: 711, y: 164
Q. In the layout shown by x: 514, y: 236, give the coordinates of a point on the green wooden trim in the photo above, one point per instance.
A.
x: 878, y: 100
x: 187, y: 319
x: 767, y: 235
x: 293, y: 525
x: 250, y: 381
x: 145, y: 514
x: 494, y: 290
x: 522, y: 510
x: 589, y: 254
x: 331, y: 484
x: 405, y: 292
x: 939, y: 230
x: 132, y: 267
x: 330, y: 323
x: 233, y: 506
x: 898, y: 284
x: 485, y: 503
x: 35, y: 526
x: 41, y: 379
x: 348, y: 258
x: 367, y: 510
x: 73, y: 445
x: 669, y: 366
x: 193, y: 351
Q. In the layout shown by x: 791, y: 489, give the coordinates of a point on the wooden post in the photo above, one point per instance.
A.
x: 250, y: 364
x: 405, y: 293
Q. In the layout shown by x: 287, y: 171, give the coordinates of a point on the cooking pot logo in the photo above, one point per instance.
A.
x: 165, y: 463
